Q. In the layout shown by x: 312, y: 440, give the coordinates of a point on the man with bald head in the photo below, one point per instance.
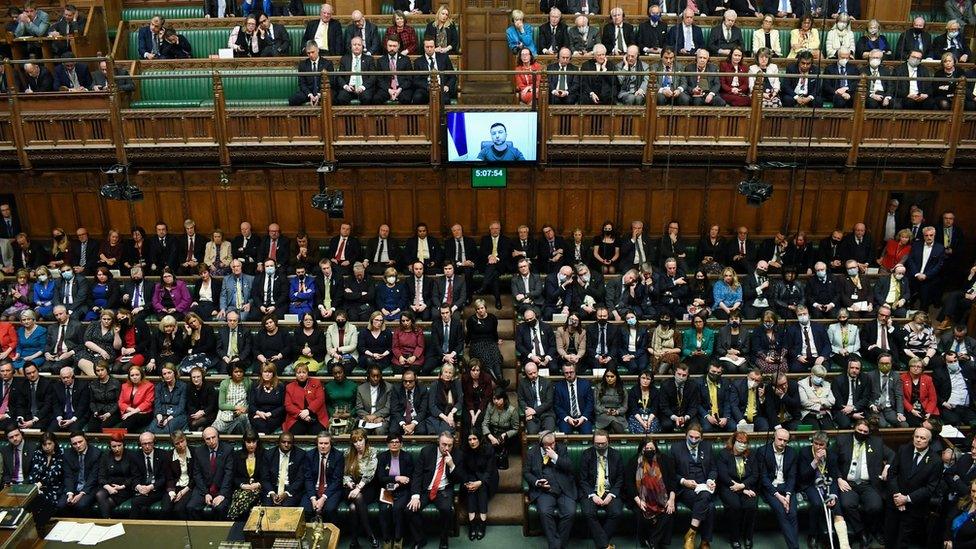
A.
x: 857, y: 246
x: 212, y: 477
x: 776, y: 463
x: 359, y: 26
x: 913, y: 482
x: 150, y: 466
x: 381, y: 252
x: 326, y: 32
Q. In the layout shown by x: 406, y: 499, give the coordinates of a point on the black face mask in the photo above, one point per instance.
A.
x: 531, y: 323
x: 860, y: 437
x: 602, y: 321
x: 340, y: 323
x: 608, y: 231
x: 649, y: 454
x: 714, y: 378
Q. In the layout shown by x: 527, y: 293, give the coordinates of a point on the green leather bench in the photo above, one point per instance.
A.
x: 239, y: 91
x: 172, y: 12
x: 628, y: 453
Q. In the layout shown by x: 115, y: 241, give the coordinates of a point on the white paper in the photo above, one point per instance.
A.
x: 225, y: 53
x: 544, y: 372
x: 948, y: 431
x: 60, y: 529
x: 598, y: 372
x: 114, y: 531
x: 94, y: 535
x: 68, y: 531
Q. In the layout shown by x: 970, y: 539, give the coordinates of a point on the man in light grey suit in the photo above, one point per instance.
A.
x: 526, y: 288
x: 886, y: 394
x: 235, y: 294
x: 702, y: 87
x: 535, y: 398
x: 632, y: 88
x: 373, y: 403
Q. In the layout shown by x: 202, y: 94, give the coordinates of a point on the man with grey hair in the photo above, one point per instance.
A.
x: 631, y: 88
x: 841, y: 90
x: 725, y: 36
x: 880, y: 92
x: 913, y: 482
x: 924, y: 265
x: 552, y: 487
x: 914, y: 38
x: 597, y: 89
x: 582, y: 38
x: 618, y: 35
x: 64, y: 339
x: 701, y: 87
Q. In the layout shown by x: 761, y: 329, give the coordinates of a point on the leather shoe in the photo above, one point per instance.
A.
x: 690, y: 539
x: 473, y: 529
x: 482, y: 527
x: 374, y: 543
x: 736, y: 545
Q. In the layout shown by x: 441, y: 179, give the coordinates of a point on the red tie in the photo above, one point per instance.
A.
x: 449, y: 299
x: 321, y: 488
x: 437, y: 479
x: 273, y: 252
x: 341, y: 249
x: 213, y: 472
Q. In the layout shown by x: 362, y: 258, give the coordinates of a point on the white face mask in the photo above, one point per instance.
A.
x: 391, y: 280
x: 842, y: 62
x: 841, y: 25
x: 874, y: 62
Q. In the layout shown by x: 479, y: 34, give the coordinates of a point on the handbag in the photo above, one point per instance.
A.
x: 240, y: 503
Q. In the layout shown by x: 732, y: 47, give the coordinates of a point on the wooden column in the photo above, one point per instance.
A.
x: 434, y: 119
x: 115, y: 113
x: 542, y: 106
x: 220, y: 120
x: 857, y: 132
x: 325, y: 101
x: 17, y: 125
x: 955, y: 127
x: 755, y: 126
x: 650, y: 120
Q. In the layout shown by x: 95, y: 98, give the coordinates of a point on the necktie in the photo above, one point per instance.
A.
x: 232, y: 346
x: 807, y: 341
x: 268, y: 286
x: 84, y: 245
x: 213, y: 472
x: 573, y: 402
x: 494, y: 246
x: 460, y: 250
x: 323, y: 465
x: 379, y: 249
x: 327, y: 293
x: 438, y: 475
x: 536, y: 342
x: 59, y: 346
x: 418, y: 292
x: 149, y: 470
x: 560, y: 85
x: 341, y: 250
x: 637, y: 241
x: 742, y: 247
x: 33, y: 398
x: 601, y: 476
x: 18, y: 469
x: 137, y: 298
x: 449, y: 297
x: 918, y: 458
x: 357, y: 67
x: 325, y: 38
x: 68, y: 408
x: 315, y: 66
x: 620, y: 40
x: 273, y: 251
x: 80, y: 484
x: 535, y: 390
x: 393, y: 83
x: 751, y: 405
x: 282, y: 472
x: 189, y: 249
x: 446, y: 346
x: 602, y: 342
x: 884, y: 337
x: 408, y: 408
x: 843, y: 82
x: 947, y: 238
x: 240, y: 292
x: 68, y: 293
x: 6, y: 397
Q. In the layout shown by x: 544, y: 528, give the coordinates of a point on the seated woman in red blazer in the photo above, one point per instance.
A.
x: 735, y: 89
x: 408, y: 345
x: 919, y: 394
x: 136, y: 401
x: 8, y: 341
x: 305, y: 412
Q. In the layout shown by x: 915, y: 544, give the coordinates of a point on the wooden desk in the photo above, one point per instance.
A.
x: 24, y: 536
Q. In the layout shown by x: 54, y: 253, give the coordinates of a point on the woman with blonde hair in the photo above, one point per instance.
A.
x: 360, y: 490
x: 444, y: 32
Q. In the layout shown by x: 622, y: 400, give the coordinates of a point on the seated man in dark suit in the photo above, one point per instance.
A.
x: 74, y: 293
x: 573, y: 403
x: 955, y: 385
x: 494, y: 251
x: 924, y: 264
x: 801, y: 85
x: 399, y: 86
x: 777, y: 466
x: 361, y: 27
x: 233, y: 344
x: 361, y: 87
x: 344, y: 250
x: 679, y: 399
x: 80, y: 476
x: 535, y: 342
x: 150, y: 465
x: 174, y: 46
x: 213, y: 476
x: 70, y: 400
x: 408, y: 406
x: 269, y: 293
x: 703, y: 86
x: 535, y: 400
x: 913, y: 482
x: 564, y: 86
x: 526, y: 287
x: 276, y: 36
x: 913, y: 93
x: 852, y: 395
x: 601, y: 483
x: 72, y: 22
x: 424, y: 248
x: 597, y: 89
x: 807, y: 343
x: 34, y: 410
x: 325, y: 32
x: 715, y: 408
x: 602, y: 341
x: 150, y: 38
x: 16, y: 456
x: 36, y: 78
x: 446, y: 341
x: 782, y: 403
x: 310, y: 86
x: 556, y: 292
x: 283, y: 490
x: 381, y: 252
x: 881, y: 336
x: 552, y: 487
x: 435, y: 472
x: 64, y: 339
x: 862, y: 458
x: 695, y: 466
x: 840, y: 92
x: 552, y: 34
x: 893, y: 290
x: 817, y: 478
x: 324, y: 465
x: 426, y: 64
x: 71, y: 76
x: 747, y: 402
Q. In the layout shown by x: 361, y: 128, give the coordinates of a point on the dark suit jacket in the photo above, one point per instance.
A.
x: 427, y: 292
x: 160, y: 255
x: 584, y: 395
x: 612, y: 340
x: 6, y: 452
x: 908, y: 42
x: 279, y: 292
x: 651, y: 36
x: 850, y: 293
x: 383, y: 83
x: 210, y: 8
x: 792, y: 78
x: 249, y: 253
x: 676, y: 39
x: 878, y: 455
x: 74, y: 335
x: 392, y: 246
x: 81, y: 71
x: 81, y: 294
x: 717, y: 41
x: 456, y: 342
x: 550, y: 40
x: 869, y: 337
x: 794, y: 340
x: 526, y: 396
x: 790, y: 403
x: 883, y: 285
x: 443, y: 64
x: 943, y: 383
x: 458, y: 290
x: 335, y: 463
x: 850, y: 249
x: 504, y: 253
x: 337, y: 46
x: 628, y: 249
x: 282, y: 254
x: 65, y: 27
x: 608, y: 37
x: 863, y: 396
x: 588, y: 472
x: 602, y: 86
x: 243, y: 343
x: 174, y: 471
x: 160, y: 464
x: 853, y: 8
x: 306, y: 85
x: 71, y: 470
x: 560, y: 474
x: 199, y: 248
x: 296, y: 471
x: 807, y: 475
x: 280, y: 45
x: 690, y: 392
x: 901, y: 87
x: 370, y: 35
x: 766, y: 465
x: 934, y: 264
x: 732, y: 245
x: 955, y: 241
x: 572, y: 86
x: 524, y: 346
x: 451, y: 251
x: 830, y: 86
x: 920, y: 484
x: 80, y: 400
x: 335, y: 290
x: 682, y: 461
x: 577, y: 42
x: 353, y: 251
x: 727, y: 472
x: 145, y: 40
x: 426, y: 466
x: 202, y: 476
x: 91, y: 255
x: 409, y: 253
x: 398, y: 400
x: 369, y: 82
x: 725, y: 399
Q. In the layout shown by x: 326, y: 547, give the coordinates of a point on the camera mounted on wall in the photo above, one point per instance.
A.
x: 118, y: 186
x: 332, y: 202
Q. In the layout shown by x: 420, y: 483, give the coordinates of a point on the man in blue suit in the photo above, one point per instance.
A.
x: 574, y: 403
x: 80, y: 476
x: 696, y: 470
x: 151, y: 38
x: 687, y: 37
x: 72, y: 76
x: 323, y: 479
x: 235, y: 294
x: 715, y: 404
x: 807, y: 343
x: 776, y: 463
x: 924, y: 264
x: 283, y: 488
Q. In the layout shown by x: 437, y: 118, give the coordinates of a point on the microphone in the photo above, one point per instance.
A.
x: 260, y: 528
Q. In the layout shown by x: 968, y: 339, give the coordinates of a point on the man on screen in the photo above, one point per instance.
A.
x: 499, y: 150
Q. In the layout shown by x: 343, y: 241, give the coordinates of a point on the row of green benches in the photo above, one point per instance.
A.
x: 196, y: 12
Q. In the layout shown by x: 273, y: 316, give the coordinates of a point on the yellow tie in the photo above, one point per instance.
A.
x: 601, y: 476
x: 545, y: 460
x: 327, y: 294
x: 945, y: 238
x: 740, y: 467
x: 713, y: 396
x: 232, y: 348
x: 751, y: 405
x: 494, y: 246
x: 843, y: 337
x: 240, y: 294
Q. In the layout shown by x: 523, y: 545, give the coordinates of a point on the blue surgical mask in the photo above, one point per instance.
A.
x: 67, y: 275
x: 632, y: 321
x: 817, y: 380
x: 822, y: 275
x: 656, y: 18
x: 804, y: 319
x: 269, y: 270
x: 852, y: 272
x: 953, y: 34
x: 693, y: 442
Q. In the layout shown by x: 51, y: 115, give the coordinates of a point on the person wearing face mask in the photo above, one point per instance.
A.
x: 841, y: 36
x: 663, y: 348
x: 913, y: 93
x: 916, y: 37
x: 816, y: 400
x: 817, y: 478
x: 893, y: 291
x: 748, y: 401
x: 391, y: 296
x: 738, y: 484
x: 787, y: 294
x: 74, y: 292
x: 841, y: 91
x: 715, y: 402
x: 43, y: 292
x: 679, y: 399
x: 845, y: 341
x: 649, y: 487
x: 952, y: 41
x: 822, y: 292
x: 873, y: 40
x: 269, y: 292
x: 862, y: 462
x: 855, y: 291
x: 695, y: 468
x: 757, y: 291
x: 807, y: 343
x: 652, y: 34
x: 955, y: 384
x: 602, y: 341
x: 886, y: 393
x: 732, y: 345
x: 601, y: 481
x: 633, y: 345
x: 767, y: 343
x: 556, y: 292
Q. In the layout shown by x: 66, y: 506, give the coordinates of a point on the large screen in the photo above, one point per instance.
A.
x: 492, y: 137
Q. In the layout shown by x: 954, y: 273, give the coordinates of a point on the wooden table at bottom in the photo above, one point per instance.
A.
x: 153, y: 534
